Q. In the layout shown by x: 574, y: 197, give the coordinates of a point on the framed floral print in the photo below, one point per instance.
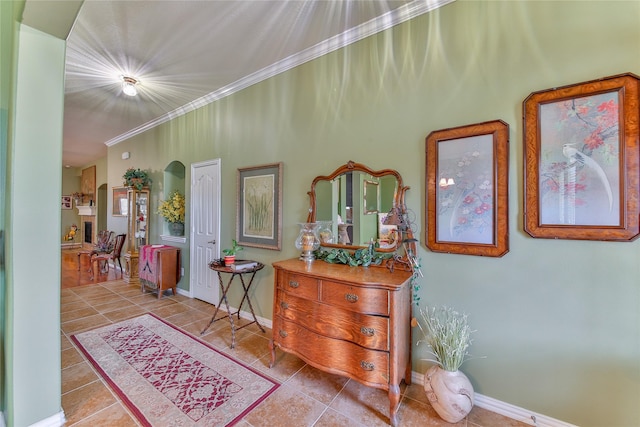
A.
x: 581, y: 160
x: 259, y: 206
x: 467, y: 189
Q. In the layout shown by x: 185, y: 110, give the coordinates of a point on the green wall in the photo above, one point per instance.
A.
x: 558, y: 321
x: 33, y: 294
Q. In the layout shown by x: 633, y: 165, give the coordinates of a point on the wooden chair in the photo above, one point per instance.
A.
x: 113, y: 256
x: 104, y: 244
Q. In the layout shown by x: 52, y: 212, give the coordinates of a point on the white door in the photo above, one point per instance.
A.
x: 205, y: 229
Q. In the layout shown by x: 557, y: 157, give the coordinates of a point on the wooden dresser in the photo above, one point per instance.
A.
x: 351, y: 321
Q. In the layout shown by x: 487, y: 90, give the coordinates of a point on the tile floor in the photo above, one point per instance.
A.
x: 307, y: 396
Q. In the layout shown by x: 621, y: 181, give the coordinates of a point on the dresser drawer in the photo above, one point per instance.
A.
x: 365, y: 330
x: 354, y: 298
x: 301, y: 286
x: 333, y: 355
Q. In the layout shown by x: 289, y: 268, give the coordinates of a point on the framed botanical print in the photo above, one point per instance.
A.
x: 581, y: 160
x: 467, y: 189
x: 259, y: 206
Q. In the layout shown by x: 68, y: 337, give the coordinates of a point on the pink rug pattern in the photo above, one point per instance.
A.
x: 167, y: 377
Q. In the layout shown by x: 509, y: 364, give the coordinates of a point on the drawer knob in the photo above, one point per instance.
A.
x: 284, y: 305
x: 367, y: 366
x: 283, y: 334
x: 351, y: 297
x: 367, y: 331
x: 293, y: 283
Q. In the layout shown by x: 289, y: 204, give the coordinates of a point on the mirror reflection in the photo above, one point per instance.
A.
x: 352, y: 203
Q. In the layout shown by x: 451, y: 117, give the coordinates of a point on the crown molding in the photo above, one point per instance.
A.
x: 374, y: 26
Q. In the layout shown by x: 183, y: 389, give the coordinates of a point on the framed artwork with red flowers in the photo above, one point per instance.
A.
x: 581, y: 160
x: 467, y: 185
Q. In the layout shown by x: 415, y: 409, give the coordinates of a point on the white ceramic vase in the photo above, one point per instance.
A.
x: 450, y: 393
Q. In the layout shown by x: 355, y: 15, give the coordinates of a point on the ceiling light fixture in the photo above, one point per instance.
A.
x: 129, y: 86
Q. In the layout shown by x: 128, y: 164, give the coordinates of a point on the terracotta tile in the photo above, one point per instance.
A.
x: 147, y: 298
x: 85, y: 401
x: 70, y: 357
x: 249, y: 347
x: 129, y: 291
x: 113, y: 416
x: 92, y: 292
x: 413, y: 413
x: 65, y: 343
x: 84, y: 324
x: 69, y: 297
x: 482, y: 417
x: 285, y: 366
x: 363, y: 404
x: 75, y: 305
x: 76, y: 376
x: 105, y: 299
x: 114, y: 305
x: 416, y: 392
x: 187, y: 316
x: 195, y: 328
x: 286, y: 407
x: 169, y: 310
x: 331, y: 418
x: 125, y: 313
x: 199, y: 305
x: 77, y: 314
x: 319, y: 385
x: 221, y: 337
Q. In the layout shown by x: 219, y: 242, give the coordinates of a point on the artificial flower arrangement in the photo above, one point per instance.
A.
x: 136, y: 178
x: 172, y: 209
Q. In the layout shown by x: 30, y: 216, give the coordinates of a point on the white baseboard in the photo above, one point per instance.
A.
x: 56, y: 420
x: 511, y: 411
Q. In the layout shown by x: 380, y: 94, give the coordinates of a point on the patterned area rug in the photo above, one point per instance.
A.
x: 167, y: 377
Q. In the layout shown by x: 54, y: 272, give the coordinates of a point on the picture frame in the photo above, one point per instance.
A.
x: 259, y: 206
x: 467, y: 189
x: 88, y: 183
x: 67, y: 202
x: 581, y: 160
x: 120, y: 201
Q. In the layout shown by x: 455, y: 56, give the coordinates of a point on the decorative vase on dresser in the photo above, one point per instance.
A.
x: 350, y: 321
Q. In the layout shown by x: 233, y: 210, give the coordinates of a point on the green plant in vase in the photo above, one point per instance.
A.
x: 448, y: 335
x: 230, y: 253
x: 136, y: 178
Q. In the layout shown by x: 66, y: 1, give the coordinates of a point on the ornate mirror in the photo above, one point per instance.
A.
x: 352, y: 203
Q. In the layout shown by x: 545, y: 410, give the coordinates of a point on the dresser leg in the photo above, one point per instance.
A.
x: 272, y: 347
x: 394, y: 403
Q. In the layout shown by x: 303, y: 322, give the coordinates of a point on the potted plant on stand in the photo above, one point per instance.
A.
x: 172, y: 210
x: 448, y: 335
x: 230, y: 253
x: 136, y: 178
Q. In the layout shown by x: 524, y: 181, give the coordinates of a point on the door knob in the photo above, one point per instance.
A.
x: 213, y: 242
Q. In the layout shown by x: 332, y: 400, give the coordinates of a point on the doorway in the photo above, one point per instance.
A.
x: 205, y: 229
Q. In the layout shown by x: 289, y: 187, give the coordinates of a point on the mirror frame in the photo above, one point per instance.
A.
x: 352, y: 166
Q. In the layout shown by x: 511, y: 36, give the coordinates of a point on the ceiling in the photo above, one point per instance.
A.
x: 188, y: 53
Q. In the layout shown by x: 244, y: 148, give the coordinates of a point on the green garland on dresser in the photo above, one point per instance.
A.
x: 360, y: 257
